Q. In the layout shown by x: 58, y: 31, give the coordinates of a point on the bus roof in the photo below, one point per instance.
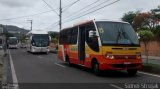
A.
x: 37, y: 32
x: 88, y: 21
x: 106, y: 20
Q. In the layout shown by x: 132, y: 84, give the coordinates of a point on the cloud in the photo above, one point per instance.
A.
x: 18, y: 8
x: 17, y: 3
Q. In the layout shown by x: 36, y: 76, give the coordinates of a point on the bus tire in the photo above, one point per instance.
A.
x: 132, y: 72
x: 95, y: 68
x: 46, y: 53
x: 68, y: 61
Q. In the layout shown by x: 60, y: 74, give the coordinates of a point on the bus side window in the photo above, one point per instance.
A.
x: 74, y: 35
x: 91, y: 41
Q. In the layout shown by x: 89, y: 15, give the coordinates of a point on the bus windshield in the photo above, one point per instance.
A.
x: 117, y: 33
x: 13, y: 41
x: 40, y: 40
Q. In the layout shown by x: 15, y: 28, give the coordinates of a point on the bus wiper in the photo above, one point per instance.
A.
x: 127, y: 37
x: 118, y: 36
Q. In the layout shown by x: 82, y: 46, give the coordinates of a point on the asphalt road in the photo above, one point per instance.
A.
x: 48, y: 69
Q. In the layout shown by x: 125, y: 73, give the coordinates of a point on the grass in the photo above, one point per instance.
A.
x: 151, y: 65
x: 151, y: 68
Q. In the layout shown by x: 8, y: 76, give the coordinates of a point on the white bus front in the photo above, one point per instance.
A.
x: 13, y: 42
x: 39, y: 43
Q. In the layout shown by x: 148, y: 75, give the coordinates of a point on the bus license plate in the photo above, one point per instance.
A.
x: 127, y: 62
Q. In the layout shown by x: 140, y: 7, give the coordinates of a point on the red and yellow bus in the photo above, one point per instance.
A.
x: 101, y: 45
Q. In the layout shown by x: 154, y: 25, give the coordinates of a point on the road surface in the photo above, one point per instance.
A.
x: 47, y: 69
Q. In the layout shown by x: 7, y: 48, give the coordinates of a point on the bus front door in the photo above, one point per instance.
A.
x: 81, y: 45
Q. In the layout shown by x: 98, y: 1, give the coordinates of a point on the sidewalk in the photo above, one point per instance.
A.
x: 151, y: 59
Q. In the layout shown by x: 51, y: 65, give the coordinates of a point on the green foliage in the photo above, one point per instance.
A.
x: 53, y: 34
x: 129, y: 17
x: 54, y: 40
x: 143, y: 20
x: 157, y: 32
x: 145, y: 35
x: 155, y: 12
x: 143, y: 28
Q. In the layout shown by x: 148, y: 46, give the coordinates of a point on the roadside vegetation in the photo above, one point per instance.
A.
x: 147, y: 25
x: 145, y: 21
x: 54, y: 42
x: 151, y: 68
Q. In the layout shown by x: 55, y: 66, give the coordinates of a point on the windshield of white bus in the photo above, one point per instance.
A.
x: 40, y: 40
x: 13, y: 41
x: 117, y: 33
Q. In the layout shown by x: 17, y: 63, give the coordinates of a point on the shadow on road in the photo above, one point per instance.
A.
x: 38, y: 53
x: 107, y: 73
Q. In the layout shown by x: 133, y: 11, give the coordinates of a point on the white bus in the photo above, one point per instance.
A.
x: 12, y: 42
x: 38, y: 41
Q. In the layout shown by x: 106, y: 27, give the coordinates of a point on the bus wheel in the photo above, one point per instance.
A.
x: 95, y: 68
x: 132, y: 72
x: 68, y: 61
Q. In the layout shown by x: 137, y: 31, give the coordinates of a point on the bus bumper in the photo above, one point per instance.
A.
x: 40, y: 49
x: 13, y: 46
x: 121, y: 65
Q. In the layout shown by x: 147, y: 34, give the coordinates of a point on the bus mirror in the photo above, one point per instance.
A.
x: 49, y: 38
x: 31, y: 38
x: 138, y: 36
x: 92, y: 34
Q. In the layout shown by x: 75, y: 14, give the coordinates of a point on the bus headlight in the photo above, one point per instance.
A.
x: 138, y: 55
x: 109, y: 55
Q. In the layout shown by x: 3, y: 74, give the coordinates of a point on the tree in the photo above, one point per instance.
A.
x: 156, y: 12
x: 145, y: 37
x: 129, y: 17
x: 140, y: 20
x: 148, y: 19
x: 157, y: 32
x: 54, y: 40
x: 54, y: 34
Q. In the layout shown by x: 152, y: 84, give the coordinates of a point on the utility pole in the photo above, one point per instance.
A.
x: 60, y: 26
x: 31, y: 23
x: 60, y: 15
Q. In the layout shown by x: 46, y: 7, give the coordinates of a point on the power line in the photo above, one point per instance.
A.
x: 67, y: 7
x: 26, y: 15
x: 92, y: 11
x: 50, y: 7
x: 78, y: 14
x: 83, y: 8
x: 55, y: 24
x: 87, y: 13
x: 19, y: 17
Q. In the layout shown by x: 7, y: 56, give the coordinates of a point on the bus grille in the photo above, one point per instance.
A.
x: 125, y: 56
x: 124, y: 65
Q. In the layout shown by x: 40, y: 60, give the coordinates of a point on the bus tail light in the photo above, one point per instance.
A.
x: 109, y: 55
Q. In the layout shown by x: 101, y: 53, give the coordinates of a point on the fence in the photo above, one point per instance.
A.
x: 153, y: 48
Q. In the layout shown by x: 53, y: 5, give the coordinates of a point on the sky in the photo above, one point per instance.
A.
x: 45, y: 16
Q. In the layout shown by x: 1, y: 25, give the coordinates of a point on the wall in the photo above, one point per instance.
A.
x: 153, y: 48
